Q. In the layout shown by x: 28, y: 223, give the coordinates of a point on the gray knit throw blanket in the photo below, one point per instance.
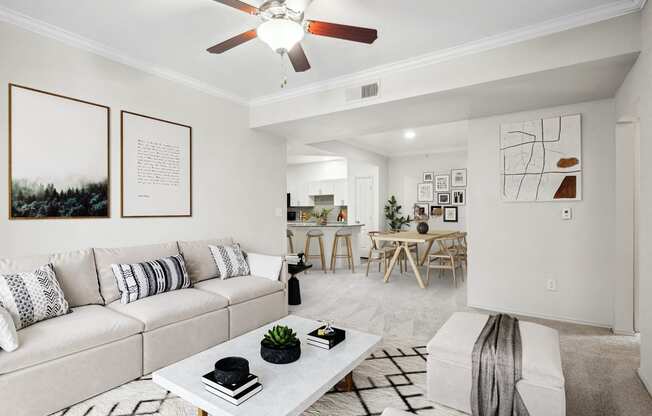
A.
x: 497, y: 368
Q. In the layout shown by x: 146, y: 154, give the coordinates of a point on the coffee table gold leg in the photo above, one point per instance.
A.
x: 346, y: 385
x: 202, y: 412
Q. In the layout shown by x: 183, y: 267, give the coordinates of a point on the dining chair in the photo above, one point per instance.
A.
x: 379, y: 252
x: 445, y: 258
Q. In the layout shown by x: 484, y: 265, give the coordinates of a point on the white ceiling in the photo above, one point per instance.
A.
x: 174, y: 34
x: 428, y: 139
x: 578, y: 83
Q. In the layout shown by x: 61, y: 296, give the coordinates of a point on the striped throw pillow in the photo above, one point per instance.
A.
x: 141, y: 280
x: 230, y: 261
x: 32, y: 297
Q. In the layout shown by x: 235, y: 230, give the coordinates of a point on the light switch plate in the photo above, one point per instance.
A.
x: 279, y: 212
x: 567, y: 214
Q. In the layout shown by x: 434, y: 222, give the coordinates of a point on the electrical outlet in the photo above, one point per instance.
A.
x: 567, y: 214
x: 551, y: 285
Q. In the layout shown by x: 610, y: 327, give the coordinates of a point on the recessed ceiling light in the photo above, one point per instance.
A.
x: 409, y: 134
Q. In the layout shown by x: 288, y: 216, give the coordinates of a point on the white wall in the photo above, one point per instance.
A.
x: 238, y: 174
x: 406, y: 172
x: 634, y: 99
x: 515, y: 247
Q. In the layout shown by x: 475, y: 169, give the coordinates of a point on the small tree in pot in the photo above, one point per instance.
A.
x: 280, y: 345
x: 393, y: 215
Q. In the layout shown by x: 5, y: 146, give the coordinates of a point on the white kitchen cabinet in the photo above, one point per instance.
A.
x: 321, y: 188
x: 300, y: 197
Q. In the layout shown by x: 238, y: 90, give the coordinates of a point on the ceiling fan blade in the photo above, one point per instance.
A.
x: 334, y: 30
x: 233, y: 42
x: 298, y: 58
x: 240, y: 5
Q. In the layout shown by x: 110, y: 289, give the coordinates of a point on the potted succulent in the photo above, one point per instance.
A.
x: 322, y: 216
x: 280, y: 346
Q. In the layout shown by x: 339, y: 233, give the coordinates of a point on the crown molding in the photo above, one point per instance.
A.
x: 594, y: 15
x: 575, y: 20
x: 72, y: 39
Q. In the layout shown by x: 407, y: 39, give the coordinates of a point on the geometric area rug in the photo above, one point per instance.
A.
x: 393, y: 376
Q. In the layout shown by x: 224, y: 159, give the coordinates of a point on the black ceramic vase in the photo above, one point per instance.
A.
x: 423, y: 228
x: 276, y: 355
x: 231, y: 370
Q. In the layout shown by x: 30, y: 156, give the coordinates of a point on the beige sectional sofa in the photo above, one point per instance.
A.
x: 103, y: 343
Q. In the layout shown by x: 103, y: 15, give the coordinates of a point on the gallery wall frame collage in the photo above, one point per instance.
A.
x: 440, y: 195
x: 60, y: 160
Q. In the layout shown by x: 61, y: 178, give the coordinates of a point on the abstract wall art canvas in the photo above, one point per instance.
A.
x: 156, y: 164
x: 541, y: 160
x: 58, y: 156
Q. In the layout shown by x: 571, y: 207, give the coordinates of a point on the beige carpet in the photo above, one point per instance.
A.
x: 600, y: 368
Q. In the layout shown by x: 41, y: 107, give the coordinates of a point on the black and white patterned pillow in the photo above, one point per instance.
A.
x: 230, y: 261
x: 32, y: 297
x: 140, y: 280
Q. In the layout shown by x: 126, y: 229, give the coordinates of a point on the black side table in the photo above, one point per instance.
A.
x: 294, y: 290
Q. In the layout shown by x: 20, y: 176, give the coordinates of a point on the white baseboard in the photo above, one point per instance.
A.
x: 623, y: 332
x: 541, y: 316
x: 645, y: 382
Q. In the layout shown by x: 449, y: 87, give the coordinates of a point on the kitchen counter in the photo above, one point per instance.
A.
x: 301, y: 229
x: 315, y: 225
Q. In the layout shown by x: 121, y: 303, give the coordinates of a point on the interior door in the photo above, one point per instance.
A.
x: 364, y: 210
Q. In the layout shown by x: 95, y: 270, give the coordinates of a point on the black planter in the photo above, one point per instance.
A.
x: 280, y: 355
x: 231, y: 370
x: 423, y: 228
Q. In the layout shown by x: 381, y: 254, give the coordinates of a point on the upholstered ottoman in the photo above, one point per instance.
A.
x: 450, y: 361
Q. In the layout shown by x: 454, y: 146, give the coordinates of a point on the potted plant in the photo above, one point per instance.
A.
x: 322, y: 216
x: 280, y: 346
x: 393, y: 215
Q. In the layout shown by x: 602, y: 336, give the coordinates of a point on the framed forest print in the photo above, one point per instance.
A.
x: 58, y: 156
x: 156, y: 164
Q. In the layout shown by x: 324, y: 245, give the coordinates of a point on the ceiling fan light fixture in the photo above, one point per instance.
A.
x: 281, y: 34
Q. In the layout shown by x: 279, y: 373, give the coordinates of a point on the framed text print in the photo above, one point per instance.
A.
x: 156, y: 163
x: 58, y: 156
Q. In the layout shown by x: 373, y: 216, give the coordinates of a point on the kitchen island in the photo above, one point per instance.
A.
x: 300, y: 229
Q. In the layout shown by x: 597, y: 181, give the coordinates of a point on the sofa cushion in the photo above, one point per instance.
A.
x: 541, y: 354
x: 105, y: 257
x: 199, y: 260
x: 75, y: 270
x: 85, y: 328
x: 171, y: 307
x: 241, y: 289
x: 22, y: 264
x: 77, y: 276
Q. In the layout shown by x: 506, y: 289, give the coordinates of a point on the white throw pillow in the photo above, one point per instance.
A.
x: 268, y: 267
x: 8, y: 334
x: 32, y: 297
x: 230, y: 261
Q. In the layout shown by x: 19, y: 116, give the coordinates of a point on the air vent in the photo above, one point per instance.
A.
x: 370, y: 90
x: 363, y: 92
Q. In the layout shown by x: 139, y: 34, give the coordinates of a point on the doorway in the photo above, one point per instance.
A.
x: 365, y: 209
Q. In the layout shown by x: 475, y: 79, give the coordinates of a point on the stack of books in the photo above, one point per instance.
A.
x: 233, y: 393
x: 317, y: 339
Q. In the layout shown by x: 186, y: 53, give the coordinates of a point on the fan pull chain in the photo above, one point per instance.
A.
x: 284, y: 71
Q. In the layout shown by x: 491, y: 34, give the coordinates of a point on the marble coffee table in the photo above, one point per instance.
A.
x: 288, y: 389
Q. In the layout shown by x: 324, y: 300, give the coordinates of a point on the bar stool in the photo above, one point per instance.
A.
x: 344, y: 235
x: 319, y: 235
x: 290, y: 234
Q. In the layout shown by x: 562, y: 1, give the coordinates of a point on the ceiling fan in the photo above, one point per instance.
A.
x: 283, y: 27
